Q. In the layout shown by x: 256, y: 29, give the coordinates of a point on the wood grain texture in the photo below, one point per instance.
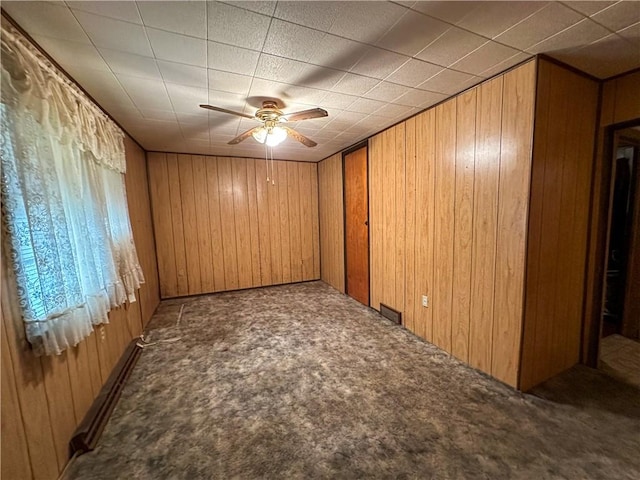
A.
x: 486, y: 193
x: 356, y: 206
x: 411, y: 304
x: 239, y: 230
x: 463, y: 228
x: 331, y: 209
x: 445, y: 213
x: 47, y: 397
x: 515, y: 171
x: 558, y: 231
x: 375, y: 220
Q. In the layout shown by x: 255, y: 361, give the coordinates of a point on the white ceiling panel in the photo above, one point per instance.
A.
x: 115, y: 34
x: 369, y: 64
x: 186, y: 18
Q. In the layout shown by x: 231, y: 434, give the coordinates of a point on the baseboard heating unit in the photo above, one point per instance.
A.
x: 86, y: 436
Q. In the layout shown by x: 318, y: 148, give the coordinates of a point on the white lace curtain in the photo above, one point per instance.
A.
x: 64, y: 208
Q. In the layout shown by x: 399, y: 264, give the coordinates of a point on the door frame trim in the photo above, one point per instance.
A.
x: 354, y: 148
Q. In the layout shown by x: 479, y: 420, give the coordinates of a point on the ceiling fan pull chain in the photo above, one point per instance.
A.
x: 266, y: 159
x: 273, y: 180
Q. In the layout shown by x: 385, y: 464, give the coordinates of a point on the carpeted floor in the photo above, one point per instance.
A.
x: 299, y: 381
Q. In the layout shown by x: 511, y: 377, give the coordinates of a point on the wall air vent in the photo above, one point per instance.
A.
x: 393, y: 315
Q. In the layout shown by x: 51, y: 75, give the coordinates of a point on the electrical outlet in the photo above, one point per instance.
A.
x: 425, y: 301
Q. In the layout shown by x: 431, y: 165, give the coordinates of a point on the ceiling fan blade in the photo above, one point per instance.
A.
x: 299, y: 137
x: 224, y: 110
x: 305, y: 115
x: 243, y: 136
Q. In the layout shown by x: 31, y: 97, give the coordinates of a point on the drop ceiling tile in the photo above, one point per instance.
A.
x: 604, y: 58
x: 72, y: 54
x: 185, y: 18
x: 279, y: 69
x: 183, y: 74
x: 451, y: 46
x: 420, y: 98
x: 353, y: 84
x: 291, y: 41
x: 47, y: 19
x: 130, y: 64
x: 414, y: 72
x: 263, y: 6
x: 236, y: 26
x: 229, y: 82
x: 199, y: 118
x: 393, y: 111
x: 336, y: 52
x: 315, y: 76
x: 492, y: 18
x: 115, y: 34
x: 380, y: 16
x: 578, y: 35
x: 631, y: 33
x: 412, y: 33
x: 587, y: 7
x: 102, y: 86
x: 126, y: 11
x: 318, y: 15
x: 155, y: 114
x: 365, y: 105
x: 378, y: 63
x: 488, y: 55
x: 619, y: 16
x: 447, y: 81
x: 146, y: 93
x: 386, y: 91
x: 552, y: 19
x: 178, y: 48
x: 231, y: 59
x: 338, y: 100
x: 451, y: 12
x: 504, y: 65
x: 303, y: 95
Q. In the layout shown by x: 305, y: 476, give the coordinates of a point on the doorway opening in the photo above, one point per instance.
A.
x: 619, y: 350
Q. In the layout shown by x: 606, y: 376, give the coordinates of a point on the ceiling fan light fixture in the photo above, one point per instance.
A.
x: 276, y: 136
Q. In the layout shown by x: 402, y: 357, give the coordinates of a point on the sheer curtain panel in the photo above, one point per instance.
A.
x: 67, y: 234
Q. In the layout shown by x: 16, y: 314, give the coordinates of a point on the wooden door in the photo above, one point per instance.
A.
x: 356, y: 198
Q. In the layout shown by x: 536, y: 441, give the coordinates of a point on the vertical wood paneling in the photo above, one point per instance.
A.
x: 463, y: 230
x: 515, y: 170
x: 47, y: 397
x: 306, y: 222
x: 162, y: 224
x: 295, y: 240
x: 375, y: 220
x: 399, y: 215
x: 240, y: 230
x: 445, y: 185
x: 410, y: 302
x: 331, y: 208
x: 240, y: 212
x: 425, y: 220
x: 191, y: 242
x: 315, y: 221
x: 228, y: 224
x: 486, y: 188
x: 202, y: 225
x: 215, y: 225
x: 264, y: 223
x: 177, y: 223
x: 559, y: 212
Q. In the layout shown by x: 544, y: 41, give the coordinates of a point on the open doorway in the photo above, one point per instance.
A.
x: 620, y: 332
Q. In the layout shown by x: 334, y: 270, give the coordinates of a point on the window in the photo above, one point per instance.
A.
x: 64, y: 210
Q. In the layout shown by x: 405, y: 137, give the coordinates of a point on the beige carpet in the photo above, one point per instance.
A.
x: 300, y: 382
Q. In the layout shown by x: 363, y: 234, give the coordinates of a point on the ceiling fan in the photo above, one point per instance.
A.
x: 272, y: 131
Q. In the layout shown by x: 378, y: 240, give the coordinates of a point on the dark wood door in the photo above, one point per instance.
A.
x: 356, y: 199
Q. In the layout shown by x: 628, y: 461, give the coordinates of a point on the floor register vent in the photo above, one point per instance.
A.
x: 393, y: 315
x: 86, y: 436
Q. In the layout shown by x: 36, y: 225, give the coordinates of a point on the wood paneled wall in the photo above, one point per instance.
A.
x: 620, y: 103
x: 330, y: 188
x: 220, y: 226
x: 44, y: 399
x: 448, y: 204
